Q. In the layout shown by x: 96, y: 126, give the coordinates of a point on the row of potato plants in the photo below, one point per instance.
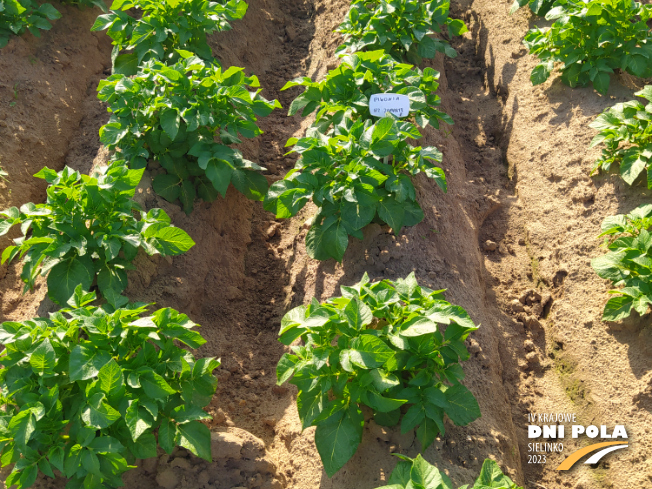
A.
x: 588, y: 40
x: 355, y: 167
x: 592, y: 39
x: 625, y: 130
x: 392, y: 346
x: 85, y: 390
x: 171, y: 100
x: 20, y: 16
x: 93, y: 388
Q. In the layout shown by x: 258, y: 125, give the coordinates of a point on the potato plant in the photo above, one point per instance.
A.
x: 19, y: 16
x: 402, y: 28
x: 628, y: 264
x: 592, y: 39
x: 392, y: 346
x: 85, y: 392
x: 418, y: 473
x: 165, y: 27
x: 185, y: 116
x: 86, y: 233
x: 346, y: 90
x: 626, y: 131
x: 359, y: 174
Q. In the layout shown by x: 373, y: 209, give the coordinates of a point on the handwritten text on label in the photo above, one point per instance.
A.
x: 396, y: 104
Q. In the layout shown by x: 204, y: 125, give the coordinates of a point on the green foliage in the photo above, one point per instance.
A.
x: 381, y: 345
x: 174, y: 114
x: 538, y: 7
x: 346, y: 90
x: 84, y: 392
x: 592, y: 39
x: 164, y: 27
x: 87, y: 3
x: 630, y: 124
x: 18, y: 16
x: 401, y: 28
x: 412, y: 473
x: 628, y: 264
x: 86, y: 233
x: 359, y: 174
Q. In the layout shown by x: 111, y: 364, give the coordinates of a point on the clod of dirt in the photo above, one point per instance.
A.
x: 280, y: 390
x: 167, y: 479
x: 533, y: 323
x: 226, y: 446
x: 517, y: 306
x: 384, y: 256
x: 233, y: 293
x: 532, y: 357
x: 490, y: 245
x: 474, y: 347
x: 236, y: 443
x: 271, y: 229
x: 181, y: 462
x: 524, y: 296
x: 149, y: 465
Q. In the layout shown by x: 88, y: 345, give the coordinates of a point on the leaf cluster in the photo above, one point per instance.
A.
x: 87, y: 3
x: 592, y: 39
x: 392, y: 346
x: 84, y: 391
x: 164, y: 27
x: 86, y: 233
x: 538, y: 7
x: 184, y: 116
x: 417, y: 473
x: 629, y: 124
x: 19, y: 16
x: 402, y: 28
x: 628, y: 264
x: 358, y: 174
x: 346, y: 90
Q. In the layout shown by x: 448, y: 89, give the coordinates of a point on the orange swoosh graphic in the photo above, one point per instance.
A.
x: 575, y: 456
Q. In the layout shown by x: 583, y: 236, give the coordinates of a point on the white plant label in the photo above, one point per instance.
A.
x: 394, y: 103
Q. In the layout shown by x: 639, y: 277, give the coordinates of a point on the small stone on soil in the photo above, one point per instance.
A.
x: 280, y: 390
x: 490, y: 245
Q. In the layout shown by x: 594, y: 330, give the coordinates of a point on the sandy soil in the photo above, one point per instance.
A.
x: 517, y: 163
